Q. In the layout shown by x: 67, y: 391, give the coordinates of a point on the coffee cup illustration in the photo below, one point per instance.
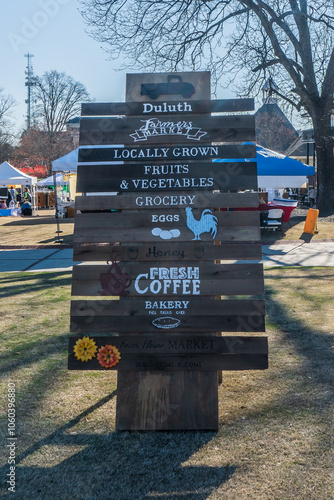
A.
x: 114, y: 281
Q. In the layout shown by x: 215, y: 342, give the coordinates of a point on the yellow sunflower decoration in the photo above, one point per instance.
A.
x: 108, y: 356
x: 85, y: 349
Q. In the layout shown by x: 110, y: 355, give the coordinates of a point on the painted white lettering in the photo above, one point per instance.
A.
x: 139, y: 277
x: 148, y: 107
x: 173, y: 281
x: 196, y: 284
x: 155, y: 286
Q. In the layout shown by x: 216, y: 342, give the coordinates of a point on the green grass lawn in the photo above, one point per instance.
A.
x: 275, y: 433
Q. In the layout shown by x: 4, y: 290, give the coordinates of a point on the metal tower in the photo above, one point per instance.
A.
x: 29, y: 82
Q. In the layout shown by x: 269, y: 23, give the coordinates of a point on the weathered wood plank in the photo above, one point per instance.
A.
x: 142, y: 234
x: 167, y: 130
x: 176, y: 225
x: 176, y: 345
x: 151, y: 315
x: 170, y: 177
x: 172, y: 217
x: 140, y: 279
x: 183, y: 152
x: 178, y: 353
x: 180, y: 363
x: 167, y: 251
x: 163, y: 201
x: 168, y: 107
x: 191, y: 362
x: 144, y: 324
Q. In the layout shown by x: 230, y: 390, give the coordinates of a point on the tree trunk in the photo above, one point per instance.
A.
x: 325, y: 162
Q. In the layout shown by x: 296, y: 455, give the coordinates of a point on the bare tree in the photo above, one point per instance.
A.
x: 250, y: 40
x: 35, y: 148
x: 7, y: 137
x: 58, y: 99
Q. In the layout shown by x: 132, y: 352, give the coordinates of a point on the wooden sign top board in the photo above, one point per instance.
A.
x: 162, y: 201
x: 183, y: 152
x: 180, y: 176
x: 191, y: 85
x: 166, y: 107
x: 167, y: 251
x: 167, y: 315
x: 134, y: 279
x: 162, y: 352
x: 167, y: 130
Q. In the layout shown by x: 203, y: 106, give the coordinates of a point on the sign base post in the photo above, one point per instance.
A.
x: 167, y: 401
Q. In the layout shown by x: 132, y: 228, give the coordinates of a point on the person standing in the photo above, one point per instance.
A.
x: 27, y: 195
x: 312, y: 196
x: 13, y: 194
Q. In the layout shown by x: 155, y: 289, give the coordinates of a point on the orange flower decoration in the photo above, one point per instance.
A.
x: 108, y: 356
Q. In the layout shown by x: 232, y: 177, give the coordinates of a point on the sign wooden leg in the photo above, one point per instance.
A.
x: 150, y: 401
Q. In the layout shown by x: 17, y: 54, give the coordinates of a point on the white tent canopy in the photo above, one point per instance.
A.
x: 281, y: 181
x: 67, y: 163
x: 49, y: 181
x: 10, y: 175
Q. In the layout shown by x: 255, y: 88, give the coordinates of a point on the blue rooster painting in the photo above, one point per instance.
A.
x: 208, y: 223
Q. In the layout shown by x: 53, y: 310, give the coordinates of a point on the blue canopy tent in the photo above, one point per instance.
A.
x: 276, y: 171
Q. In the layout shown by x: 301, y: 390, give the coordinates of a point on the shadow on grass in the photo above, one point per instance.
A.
x: 18, y: 283
x: 46, y: 348
x: 36, y: 221
x: 126, y: 467
x: 149, y: 465
x: 308, y: 385
x: 121, y: 465
x: 315, y: 346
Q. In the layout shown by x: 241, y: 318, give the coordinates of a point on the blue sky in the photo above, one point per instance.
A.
x: 54, y: 32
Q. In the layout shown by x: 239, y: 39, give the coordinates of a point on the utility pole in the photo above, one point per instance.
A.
x: 29, y: 82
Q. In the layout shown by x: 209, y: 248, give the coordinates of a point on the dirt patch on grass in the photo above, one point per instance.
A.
x: 275, y: 426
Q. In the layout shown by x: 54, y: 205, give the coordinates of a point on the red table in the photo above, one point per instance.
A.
x: 269, y: 206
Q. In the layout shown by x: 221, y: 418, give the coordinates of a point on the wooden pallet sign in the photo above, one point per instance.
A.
x: 158, y: 249
x: 160, y: 352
